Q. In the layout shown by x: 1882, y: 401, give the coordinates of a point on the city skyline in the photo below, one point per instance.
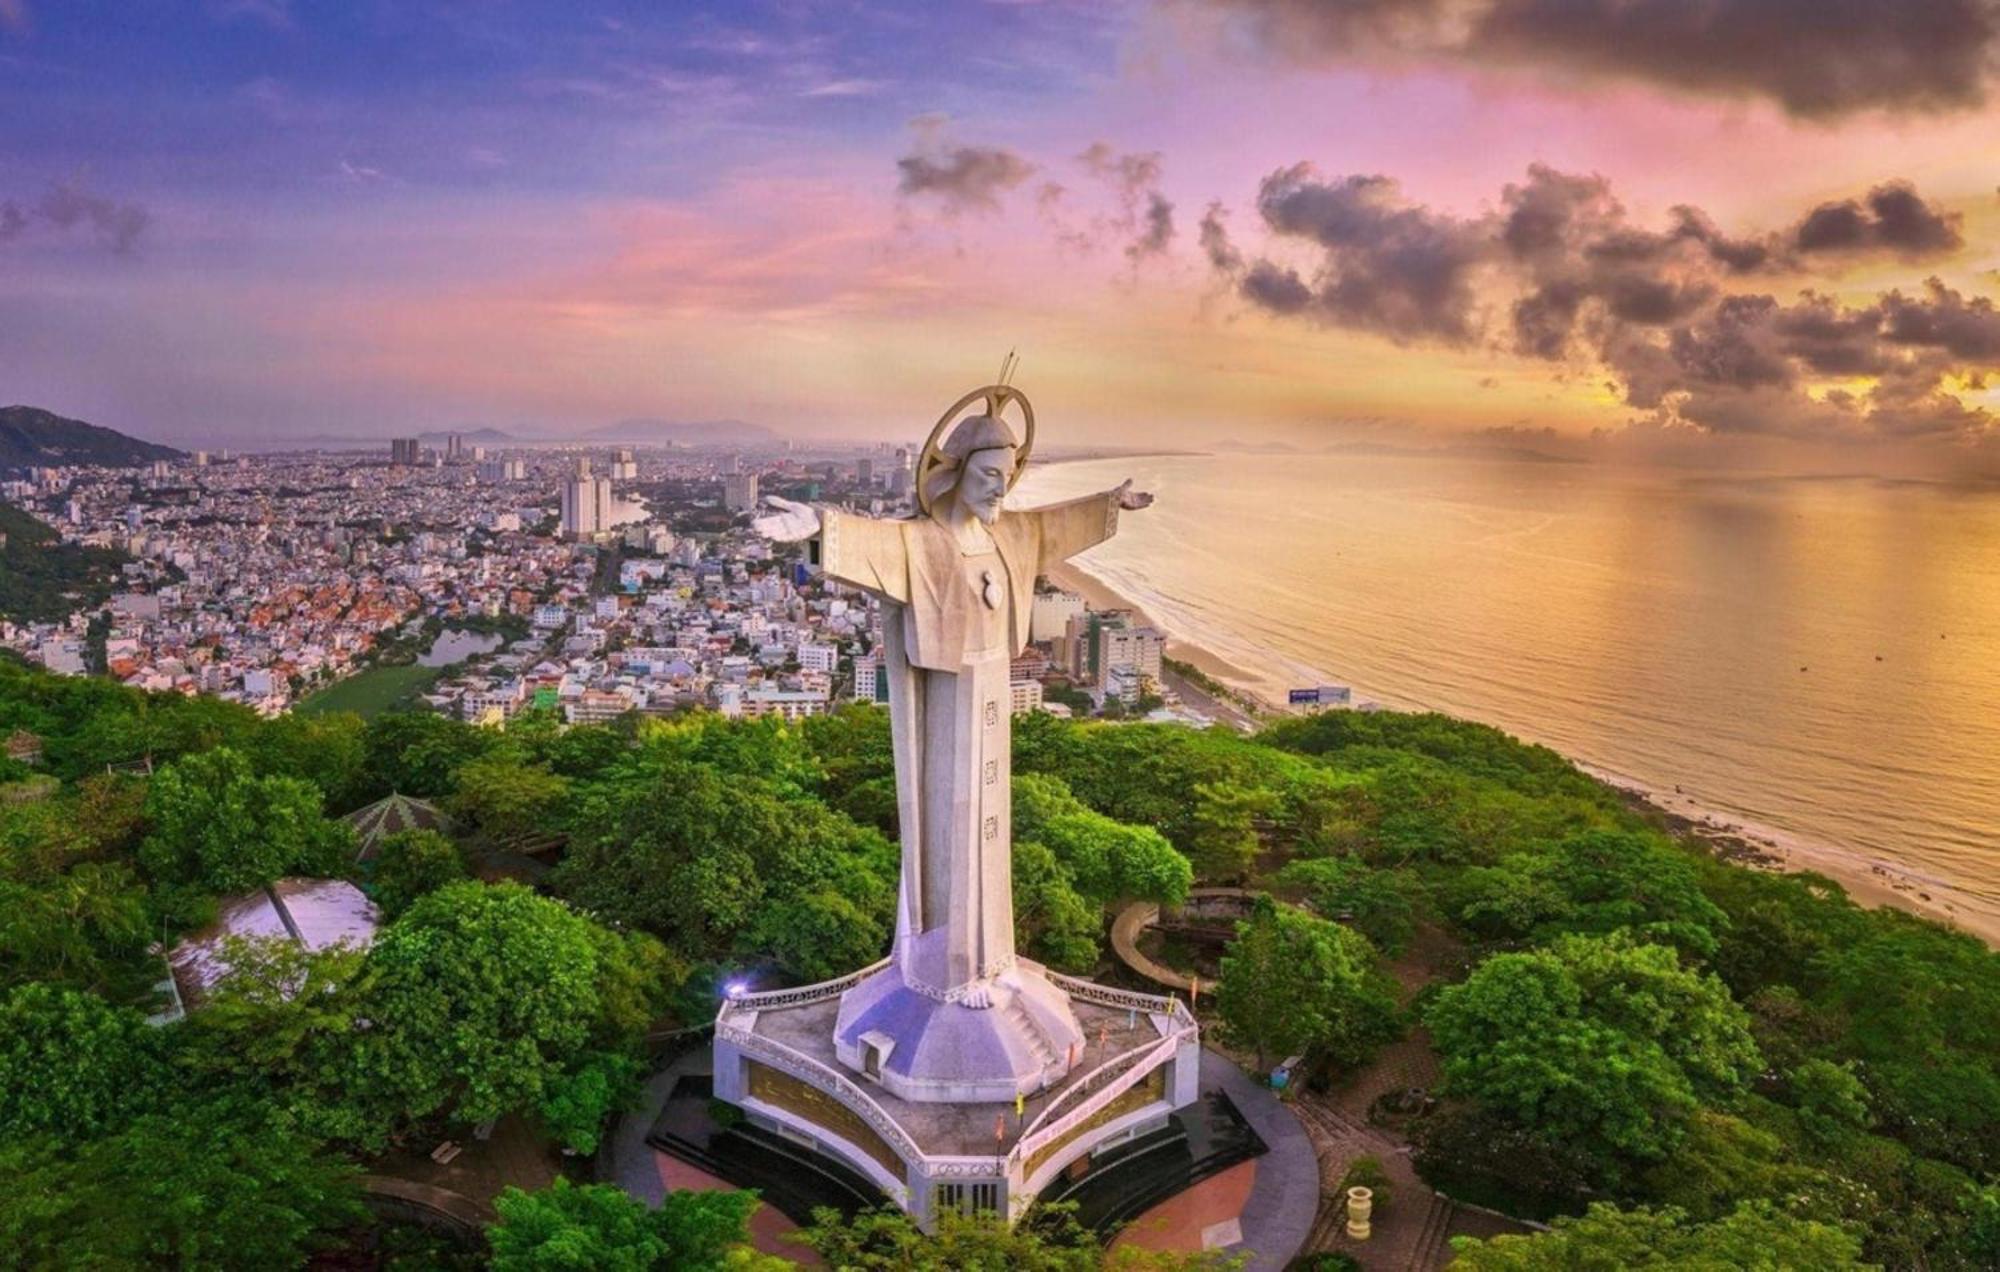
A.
x: 1199, y: 221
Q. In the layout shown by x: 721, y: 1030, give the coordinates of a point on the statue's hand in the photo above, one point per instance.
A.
x: 787, y: 521
x: 1132, y: 500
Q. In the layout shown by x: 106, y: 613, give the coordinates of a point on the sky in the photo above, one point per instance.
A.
x: 1744, y: 232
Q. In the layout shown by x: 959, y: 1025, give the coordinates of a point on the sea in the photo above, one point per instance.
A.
x: 1815, y: 655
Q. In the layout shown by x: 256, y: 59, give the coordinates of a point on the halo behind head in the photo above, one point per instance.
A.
x: 937, y: 467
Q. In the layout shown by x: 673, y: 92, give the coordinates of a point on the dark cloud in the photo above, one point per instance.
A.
x: 1558, y: 271
x: 1133, y: 174
x: 1145, y: 217
x: 1156, y: 228
x: 1812, y: 57
x: 1966, y: 330
x: 1894, y: 218
x: 67, y: 207
x: 1279, y: 290
x: 1389, y: 266
x: 963, y: 178
x: 1215, y: 245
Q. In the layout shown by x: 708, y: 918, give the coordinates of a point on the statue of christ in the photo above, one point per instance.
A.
x: 956, y: 1015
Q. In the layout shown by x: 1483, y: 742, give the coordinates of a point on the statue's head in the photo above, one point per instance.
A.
x: 977, y: 464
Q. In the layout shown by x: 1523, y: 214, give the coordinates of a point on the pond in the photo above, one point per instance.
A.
x: 454, y: 645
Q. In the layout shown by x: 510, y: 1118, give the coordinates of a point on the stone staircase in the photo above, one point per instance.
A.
x: 1430, y: 1251
x: 1024, y: 1024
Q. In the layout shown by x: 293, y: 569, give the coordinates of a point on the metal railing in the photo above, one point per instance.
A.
x: 1152, y: 1058
x: 1124, y: 999
x: 799, y: 996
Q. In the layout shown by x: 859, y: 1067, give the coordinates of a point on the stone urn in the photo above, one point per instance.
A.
x: 1360, y: 1204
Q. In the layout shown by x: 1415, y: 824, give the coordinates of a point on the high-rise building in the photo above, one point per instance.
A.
x: 405, y: 450
x: 899, y: 476
x: 1051, y: 614
x: 586, y: 503
x: 1114, y: 641
x: 454, y: 448
x: 739, y: 491
x: 864, y: 471
x: 624, y: 468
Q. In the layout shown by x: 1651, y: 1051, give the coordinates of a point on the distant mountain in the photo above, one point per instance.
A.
x: 33, y: 438
x: 683, y: 433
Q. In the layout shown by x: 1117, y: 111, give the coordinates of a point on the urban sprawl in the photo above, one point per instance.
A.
x: 592, y: 582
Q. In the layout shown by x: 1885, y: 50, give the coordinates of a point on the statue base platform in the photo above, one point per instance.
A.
x: 1137, y: 1060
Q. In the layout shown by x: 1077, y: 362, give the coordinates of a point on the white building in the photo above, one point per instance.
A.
x: 1051, y: 614
x: 587, y: 505
x: 821, y: 658
x: 1027, y: 696
x: 793, y: 704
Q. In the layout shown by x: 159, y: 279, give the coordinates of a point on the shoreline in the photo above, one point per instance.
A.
x: 1869, y: 882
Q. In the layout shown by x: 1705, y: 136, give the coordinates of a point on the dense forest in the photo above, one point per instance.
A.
x: 1681, y: 1062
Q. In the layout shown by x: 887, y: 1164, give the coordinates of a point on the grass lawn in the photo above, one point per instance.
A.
x: 373, y: 691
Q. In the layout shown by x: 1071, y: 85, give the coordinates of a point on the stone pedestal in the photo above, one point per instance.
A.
x: 798, y: 1062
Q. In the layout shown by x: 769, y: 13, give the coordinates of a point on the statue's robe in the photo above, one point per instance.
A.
x: 954, y: 621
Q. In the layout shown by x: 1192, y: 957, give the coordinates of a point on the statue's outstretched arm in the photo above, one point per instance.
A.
x: 1072, y: 526
x: 786, y: 521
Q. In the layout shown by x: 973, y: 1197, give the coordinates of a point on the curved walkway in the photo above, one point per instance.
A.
x: 1134, y: 919
x: 1270, y: 1219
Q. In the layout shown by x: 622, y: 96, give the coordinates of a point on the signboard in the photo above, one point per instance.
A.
x: 1323, y: 696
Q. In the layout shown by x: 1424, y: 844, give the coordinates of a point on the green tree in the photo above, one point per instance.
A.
x: 479, y: 997
x: 1107, y: 860
x: 219, y: 1184
x: 328, y: 750
x: 219, y: 827
x: 1224, y: 838
x: 504, y: 797
x: 279, y: 1016
x: 818, y: 935
x: 1050, y: 1240
x: 72, y: 1066
x: 1601, y: 1042
x: 409, y: 864
x: 419, y: 752
x: 576, y: 1105
x: 1832, y: 1103
x: 1383, y: 904
x: 1052, y: 918
x: 1753, y: 1238
x: 601, y: 1228
x: 1292, y: 982
x: 87, y: 926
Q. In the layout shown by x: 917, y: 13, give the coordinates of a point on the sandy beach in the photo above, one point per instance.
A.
x: 1869, y: 881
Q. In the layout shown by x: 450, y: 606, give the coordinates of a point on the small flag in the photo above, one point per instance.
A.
x: 1194, y: 990
x: 1103, y: 1033
x: 1020, y: 1105
x: 999, y: 1128
x: 1131, y: 1019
